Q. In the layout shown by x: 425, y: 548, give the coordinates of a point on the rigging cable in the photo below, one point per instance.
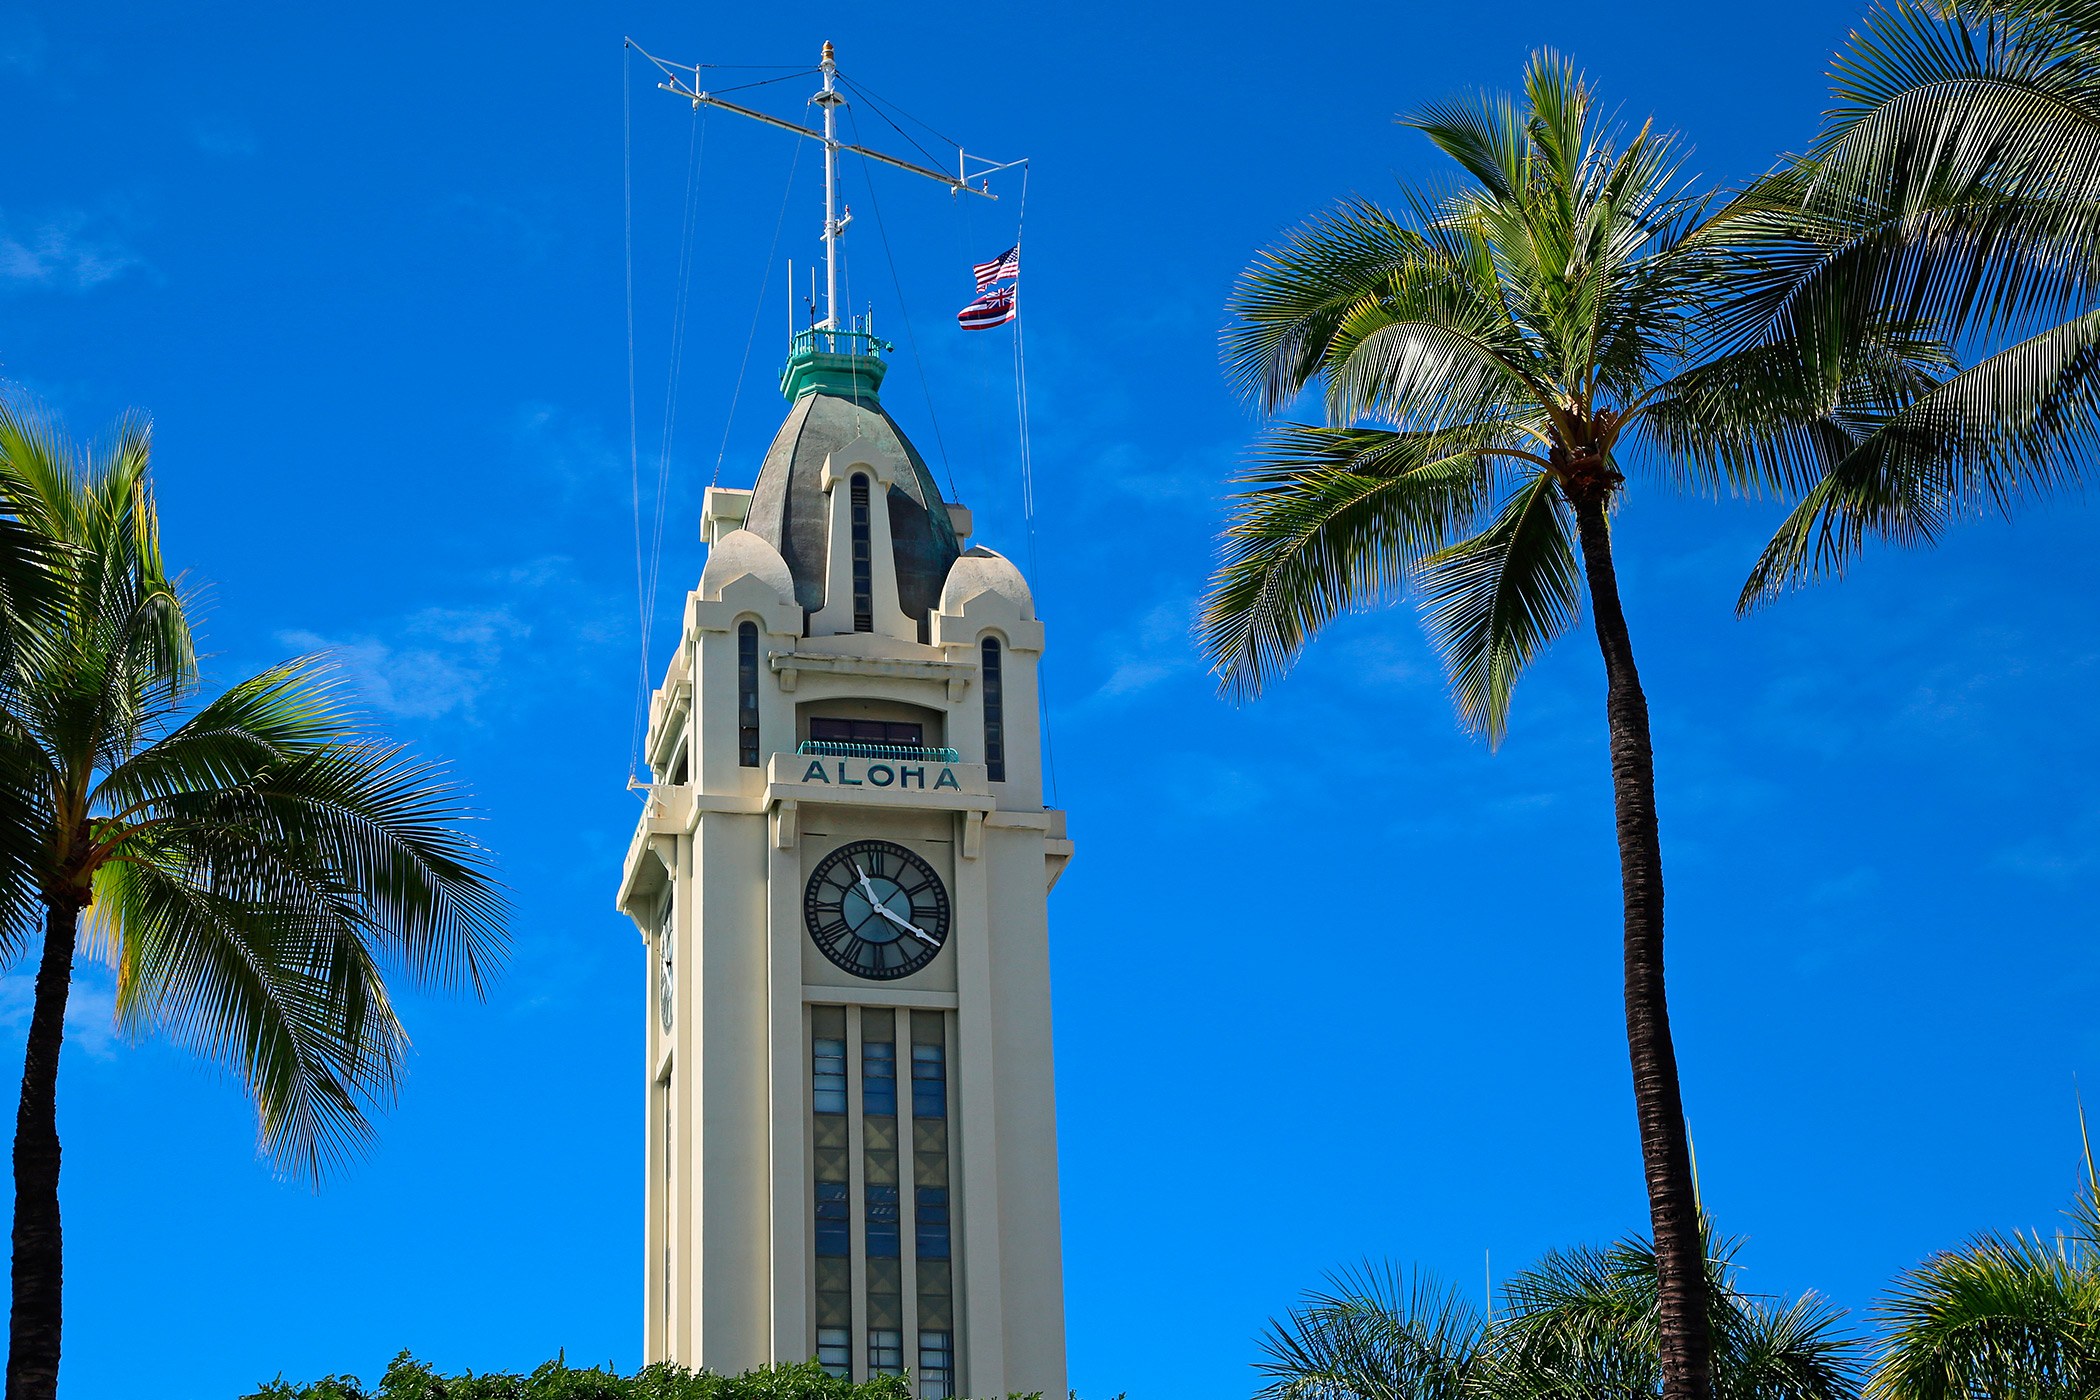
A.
x: 757, y: 309
x: 1042, y: 685
x: 634, y: 461
x: 911, y: 336
x: 696, y: 153
x: 876, y: 107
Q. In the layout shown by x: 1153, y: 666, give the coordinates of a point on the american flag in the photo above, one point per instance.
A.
x: 994, y: 308
x: 1007, y: 264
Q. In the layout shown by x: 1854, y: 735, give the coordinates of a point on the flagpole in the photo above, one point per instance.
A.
x: 829, y: 100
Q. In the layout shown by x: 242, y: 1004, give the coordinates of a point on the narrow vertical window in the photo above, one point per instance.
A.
x: 885, y: 1351
x: 929, y: 1081
x: 835, y: 1350
x: 932, y: 1249
x: 863, y: 560
x: 882, y: 1221
x: 834, y: 1231
x: 994, y: 713
x: 831, y: 1188
x: 882, y: 1202
x: 747, y: 694
x: 878, y: 1059
x: 828, y: 1075
x: 936, y: 1365
x: 931, y: 1222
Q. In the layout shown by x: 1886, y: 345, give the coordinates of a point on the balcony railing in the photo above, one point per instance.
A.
x: 824, y: 341
x: 895, y: 753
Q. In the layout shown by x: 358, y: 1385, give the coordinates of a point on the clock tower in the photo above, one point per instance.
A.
x: 840, y: 878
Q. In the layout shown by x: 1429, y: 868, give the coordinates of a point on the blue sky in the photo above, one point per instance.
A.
x: 364, y: 267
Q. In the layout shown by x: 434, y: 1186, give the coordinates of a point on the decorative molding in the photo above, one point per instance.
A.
x: 875, y: 994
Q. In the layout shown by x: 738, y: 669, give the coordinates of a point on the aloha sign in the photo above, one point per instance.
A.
x: 877, y: 774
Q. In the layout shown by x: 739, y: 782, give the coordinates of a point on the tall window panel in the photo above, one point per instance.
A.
x: 936, y: 1365
x: 929, y: 1169
x: 885, y: 1351
x: 863, y: 559
x: 747, y: 694
x: 883, y: 1221
x: 994, y: 712
x: 832, y: 1242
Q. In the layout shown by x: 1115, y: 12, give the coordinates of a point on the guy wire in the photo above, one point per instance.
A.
x: 682, y: 301
x: 757, y: 309
x: 634, y: 462
x: 1042, y: 684
x: 911, y: 335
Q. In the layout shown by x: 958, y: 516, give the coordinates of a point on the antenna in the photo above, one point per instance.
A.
x: 830, y: 99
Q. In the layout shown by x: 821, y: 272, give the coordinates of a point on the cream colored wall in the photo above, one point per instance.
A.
x: 1024, y: 1084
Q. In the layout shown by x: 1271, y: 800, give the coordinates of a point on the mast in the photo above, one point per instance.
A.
x: 829, y: 100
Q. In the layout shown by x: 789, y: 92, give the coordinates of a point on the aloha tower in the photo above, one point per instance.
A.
x: 841, y: 879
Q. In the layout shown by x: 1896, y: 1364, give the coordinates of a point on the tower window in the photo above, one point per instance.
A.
x: 936, y: 1365
x: 932, y: 1222
x: 897, y: 733
x: 929, y: 1081
x: 878, y: 1078
x: 994, y: 713
x: 883, y: 1242
x: 885, y: 1351
x: 863, y: 559
x: 828, y: 1076
x: 835, y: 1350
x: 747, y: 694
x: 834, y: 1236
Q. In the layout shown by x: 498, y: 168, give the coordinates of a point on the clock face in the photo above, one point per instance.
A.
x: 663, y: 966
x: 876, y: 909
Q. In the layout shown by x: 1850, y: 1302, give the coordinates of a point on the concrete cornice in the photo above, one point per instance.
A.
x: 789, y: 665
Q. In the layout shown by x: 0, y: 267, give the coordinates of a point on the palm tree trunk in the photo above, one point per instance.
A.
x: 39, y: 1263
x: 1673, y: 1208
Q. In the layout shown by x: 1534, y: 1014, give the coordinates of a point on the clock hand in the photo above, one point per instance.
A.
x: 866, y: 886
x: 907, y: 925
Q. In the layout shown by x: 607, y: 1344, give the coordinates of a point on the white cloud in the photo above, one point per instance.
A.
x: 60, y: 253
x: 439, y: 660
x: 1158, y: 648
x: 91, y: 1010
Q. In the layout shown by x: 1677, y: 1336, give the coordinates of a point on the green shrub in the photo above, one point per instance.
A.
x: 409, y: 1379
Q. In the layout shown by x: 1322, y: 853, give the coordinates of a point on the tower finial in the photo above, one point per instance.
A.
x: 827, y: 50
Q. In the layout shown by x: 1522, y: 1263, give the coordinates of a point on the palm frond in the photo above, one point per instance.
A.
x: 281, y: 992
x: 1493, y: 601
x: 1296, y: 294
x: 1584, y: 1324
x: 2005, y: 1317
x: 1373, y: 1334
x: 1335, y: 519
x: 281, y: 759
x: 2005, y: 430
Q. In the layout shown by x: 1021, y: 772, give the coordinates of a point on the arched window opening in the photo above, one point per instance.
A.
x: 994, y: 713
x: 747, y: 694
x: 863, y: 560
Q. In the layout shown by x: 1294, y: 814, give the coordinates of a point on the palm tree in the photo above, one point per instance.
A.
x: 1581, y: 1324
x: 1956, y: 178
x: 2008, y: 1316
x: 1376, y: 1334
x: 1491, y: 357
x: 251, y: 870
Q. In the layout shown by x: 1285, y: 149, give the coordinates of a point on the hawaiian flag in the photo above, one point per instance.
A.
x: 999, y: 269
x: 994, y: 308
